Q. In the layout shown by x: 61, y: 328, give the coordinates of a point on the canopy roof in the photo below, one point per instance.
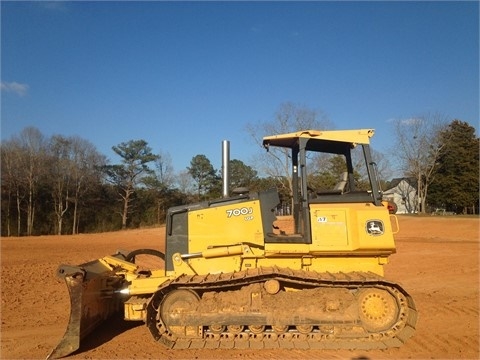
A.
x: 318, y: 140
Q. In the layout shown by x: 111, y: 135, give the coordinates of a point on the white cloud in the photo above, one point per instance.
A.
x: 255, y: 29
x: 411, y: 121
x: 14, y: 87
x: 56, y: 5
x: 295, y: 34
x: 407, y: 121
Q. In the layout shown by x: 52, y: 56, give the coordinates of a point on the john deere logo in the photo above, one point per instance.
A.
x: 374, y: 227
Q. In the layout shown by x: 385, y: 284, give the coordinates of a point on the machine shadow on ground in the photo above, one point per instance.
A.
x: 106, y: 332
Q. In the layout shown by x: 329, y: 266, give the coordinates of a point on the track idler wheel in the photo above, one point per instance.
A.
x: 378, y: 309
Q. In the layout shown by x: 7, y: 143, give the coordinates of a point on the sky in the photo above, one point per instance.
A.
x: 184, y: 76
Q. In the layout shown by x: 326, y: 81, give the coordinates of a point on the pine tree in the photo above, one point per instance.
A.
x: 135, y: 156
x: 204, y: 174
x: 456, y: 183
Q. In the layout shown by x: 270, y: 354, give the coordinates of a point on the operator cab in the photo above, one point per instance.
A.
x: 303, y: 148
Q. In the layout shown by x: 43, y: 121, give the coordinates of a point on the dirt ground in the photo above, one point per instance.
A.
x: 437, y: 261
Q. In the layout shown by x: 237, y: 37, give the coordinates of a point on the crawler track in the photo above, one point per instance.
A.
x: 331, y: 311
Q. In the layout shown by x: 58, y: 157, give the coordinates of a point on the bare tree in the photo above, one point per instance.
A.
x: 31, y: 160
x: 289, y: 117
x: 185, y: 183
x: 417, y: 148
x: 11, y: 174
x: 161, y: 182
x: 382, y: 165
x: 33, y: 166
x: 164, y: 169
x: 85, y: 171
x: 60, y: 170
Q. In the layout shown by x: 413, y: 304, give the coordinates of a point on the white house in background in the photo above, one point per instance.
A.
x: 403, y: 192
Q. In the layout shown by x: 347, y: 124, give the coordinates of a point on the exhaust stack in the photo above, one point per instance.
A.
x: 225, y: 167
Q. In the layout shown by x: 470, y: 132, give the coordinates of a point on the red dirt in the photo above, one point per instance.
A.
x: 437, y: 261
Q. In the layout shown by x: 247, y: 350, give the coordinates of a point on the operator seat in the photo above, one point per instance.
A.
x: 340, y: 186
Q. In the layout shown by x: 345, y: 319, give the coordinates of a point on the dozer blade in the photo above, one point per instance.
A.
x: 92, y: 300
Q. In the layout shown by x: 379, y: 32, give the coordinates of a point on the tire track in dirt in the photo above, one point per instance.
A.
x: 453, y: 329
x: 443, y: 344
x: 467, y: 342
x: 457, y: 310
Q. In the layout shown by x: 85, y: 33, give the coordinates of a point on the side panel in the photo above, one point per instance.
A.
x: 375, y: 229
x: 329, y: 228
x: 350, y: 227
x: 220, y: 226
x: 223, y: 225
x: 199, y: 230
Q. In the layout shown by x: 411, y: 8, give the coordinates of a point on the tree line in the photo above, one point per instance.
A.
x: 442, y: 157
x: 63, y: 185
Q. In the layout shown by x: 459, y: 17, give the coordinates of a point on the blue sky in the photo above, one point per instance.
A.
x: 186, y: 75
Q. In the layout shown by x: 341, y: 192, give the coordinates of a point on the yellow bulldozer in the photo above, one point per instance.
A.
x: 230, y: 277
